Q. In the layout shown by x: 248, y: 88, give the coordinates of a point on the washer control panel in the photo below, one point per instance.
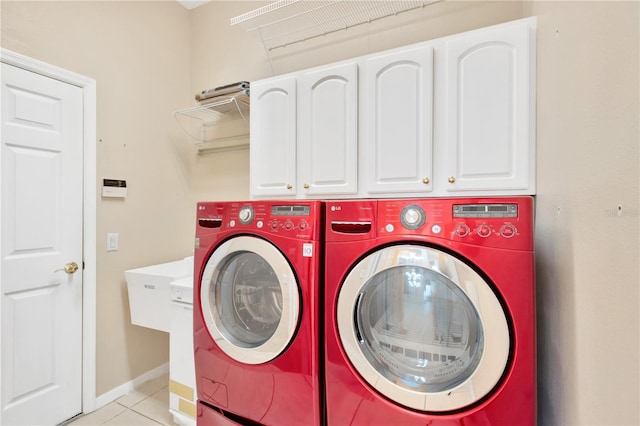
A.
x: 297, y: 219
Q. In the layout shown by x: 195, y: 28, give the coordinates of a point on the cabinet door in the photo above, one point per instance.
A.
x: 490, y: 112
x: 273, y: 138
x: 328, y: 131
x: 396, y: 139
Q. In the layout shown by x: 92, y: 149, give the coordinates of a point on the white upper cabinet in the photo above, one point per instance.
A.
x: 328, y: 131
x: 273, y: 138
x: 490, y: 110
x: 452, y: 116
x: 396, y: 142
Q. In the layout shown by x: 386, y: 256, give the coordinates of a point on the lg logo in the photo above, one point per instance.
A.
x: 335, y: 208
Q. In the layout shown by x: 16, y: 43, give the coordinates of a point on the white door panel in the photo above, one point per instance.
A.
x: 397, y: 104
x: 273, y: 138
x: 41, y: 230
x: 328, y: 110
x: 490, y: 79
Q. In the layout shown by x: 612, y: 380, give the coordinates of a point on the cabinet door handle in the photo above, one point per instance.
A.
x: 452, y: 179
x: 426, y: 181
x: 306, y: 186
x: 289, y: 186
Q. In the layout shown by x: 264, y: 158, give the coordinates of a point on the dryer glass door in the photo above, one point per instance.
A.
x: 250, y: 299
x: 423, y: 328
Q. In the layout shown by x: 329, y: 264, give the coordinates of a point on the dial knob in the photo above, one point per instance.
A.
x: 484, y: 231
x: 508, y: 231
x: 413, y: 217
x: 246, y: 215
x: 462, y: 230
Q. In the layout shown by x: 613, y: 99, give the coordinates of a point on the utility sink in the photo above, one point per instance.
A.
x: 150, y: 293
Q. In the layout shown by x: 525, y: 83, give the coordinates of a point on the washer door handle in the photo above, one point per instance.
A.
x: 356, y: 323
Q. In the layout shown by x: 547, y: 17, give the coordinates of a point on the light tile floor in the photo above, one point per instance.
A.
x: 146, y: 405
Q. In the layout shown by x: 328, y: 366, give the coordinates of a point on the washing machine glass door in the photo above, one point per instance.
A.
x: 423, y: 328
x: 250, y: 299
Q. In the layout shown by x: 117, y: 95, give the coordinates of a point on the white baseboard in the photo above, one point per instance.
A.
x: 125, y: 388
x: 181, y: 419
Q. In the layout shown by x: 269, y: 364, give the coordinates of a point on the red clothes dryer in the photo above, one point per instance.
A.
x: 430, y: 313
x: 256, y: 319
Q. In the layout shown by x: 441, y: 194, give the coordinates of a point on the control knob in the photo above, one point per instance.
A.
x: 246, y: 215
x: 462, y: 230
x: 508, y: 231
x: 483, y: 231
x: 413, y: 217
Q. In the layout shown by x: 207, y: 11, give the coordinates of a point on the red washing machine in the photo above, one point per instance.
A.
x: 256, y: 312
x: 430, y: 312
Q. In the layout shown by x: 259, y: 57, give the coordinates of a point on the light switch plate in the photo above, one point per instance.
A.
x: 112, y: 242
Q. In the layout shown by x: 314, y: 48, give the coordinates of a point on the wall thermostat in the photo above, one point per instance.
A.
x: 114, y: 188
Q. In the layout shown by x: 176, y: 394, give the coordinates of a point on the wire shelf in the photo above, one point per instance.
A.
x: 215, y: 112
x: 231, y: 108
x: 287, y: 22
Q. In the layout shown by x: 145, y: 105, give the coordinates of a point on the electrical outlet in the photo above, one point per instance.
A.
x: 112, y: 242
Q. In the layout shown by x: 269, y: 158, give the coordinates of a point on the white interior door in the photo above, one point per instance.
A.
x: 41, y: 223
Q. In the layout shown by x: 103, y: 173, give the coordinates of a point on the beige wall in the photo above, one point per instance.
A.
x: 137, y: 53
x: 224, y: 53
x: 587, y: 250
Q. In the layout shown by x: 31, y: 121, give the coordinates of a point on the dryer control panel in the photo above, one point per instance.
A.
x: 495, y: 222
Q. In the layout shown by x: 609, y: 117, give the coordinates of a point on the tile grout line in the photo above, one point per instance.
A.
x: 125, y: 409
x: 133, y: 410
x: 150, y: 395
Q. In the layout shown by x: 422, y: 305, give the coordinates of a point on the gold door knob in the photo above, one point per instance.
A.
x: 426, y: 181
x: 306, y: 186
x: 69, y: 268
x: 452, y: 179
x: 289, y: 186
